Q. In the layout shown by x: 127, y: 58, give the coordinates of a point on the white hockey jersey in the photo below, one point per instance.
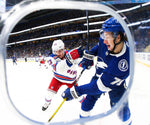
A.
x: 61, y: 70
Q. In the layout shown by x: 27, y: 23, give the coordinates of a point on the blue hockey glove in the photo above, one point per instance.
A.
x: 87, y: 61
x: 80, y: 50
x: 71, y: 93
x: 74, y: 54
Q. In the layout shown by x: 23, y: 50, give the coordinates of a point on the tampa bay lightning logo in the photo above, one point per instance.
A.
x: 123, y: 65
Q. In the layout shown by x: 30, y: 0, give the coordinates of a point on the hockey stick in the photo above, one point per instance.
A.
x: 65, y: 98
x: 57, y: 109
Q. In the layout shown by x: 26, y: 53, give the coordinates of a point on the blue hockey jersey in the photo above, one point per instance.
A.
x: 112, y: 69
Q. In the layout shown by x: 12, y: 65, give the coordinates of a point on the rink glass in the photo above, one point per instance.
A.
x: 8, y: 23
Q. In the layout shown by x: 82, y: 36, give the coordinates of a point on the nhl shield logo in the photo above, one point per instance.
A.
x: 123, y: 65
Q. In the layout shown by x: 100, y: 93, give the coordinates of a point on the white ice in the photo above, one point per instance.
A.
x: 27, y: 85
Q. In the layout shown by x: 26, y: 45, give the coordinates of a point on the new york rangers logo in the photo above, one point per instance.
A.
x: 123, y: 65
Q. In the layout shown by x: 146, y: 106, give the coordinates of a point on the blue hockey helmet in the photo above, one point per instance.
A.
x: 112, y: 25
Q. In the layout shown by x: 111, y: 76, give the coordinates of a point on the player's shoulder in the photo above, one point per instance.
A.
x: 66, y: 51
x: 53, y: 56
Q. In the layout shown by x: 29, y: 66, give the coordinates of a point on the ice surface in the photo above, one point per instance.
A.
x: 27, y: 84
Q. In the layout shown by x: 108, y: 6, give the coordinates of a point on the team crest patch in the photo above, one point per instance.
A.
x: 123, y: 65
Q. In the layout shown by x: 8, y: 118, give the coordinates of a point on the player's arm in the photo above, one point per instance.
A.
x: 88, y: 57
x: 105, y: 82
x: 61, y: 67
x: 94, y: 50
x: 87, y: 61
x: 94, y: 87
x: 73, y: 55
x: 77, y: 91
x: 51, y: 60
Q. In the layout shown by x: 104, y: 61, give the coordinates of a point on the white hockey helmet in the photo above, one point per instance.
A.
x: 57, y: 45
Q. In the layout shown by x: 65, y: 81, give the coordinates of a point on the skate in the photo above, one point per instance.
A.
x: 45, y: 106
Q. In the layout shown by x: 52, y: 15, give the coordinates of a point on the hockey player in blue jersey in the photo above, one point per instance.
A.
x: 112, y: 69
x: 14, y: 59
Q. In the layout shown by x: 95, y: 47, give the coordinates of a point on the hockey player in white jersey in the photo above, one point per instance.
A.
x: 112, y: 70
x: 64, y: 68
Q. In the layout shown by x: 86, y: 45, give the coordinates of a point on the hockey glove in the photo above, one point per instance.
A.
x: 87, y: 60
x: 71, y: 93
x: 74, y: 54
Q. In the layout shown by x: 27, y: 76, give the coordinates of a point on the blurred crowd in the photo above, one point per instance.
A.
x: 142, y: 40
x: 37, y: 48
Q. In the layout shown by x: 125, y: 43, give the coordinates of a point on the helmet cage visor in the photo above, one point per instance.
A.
x: 101, y: 33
